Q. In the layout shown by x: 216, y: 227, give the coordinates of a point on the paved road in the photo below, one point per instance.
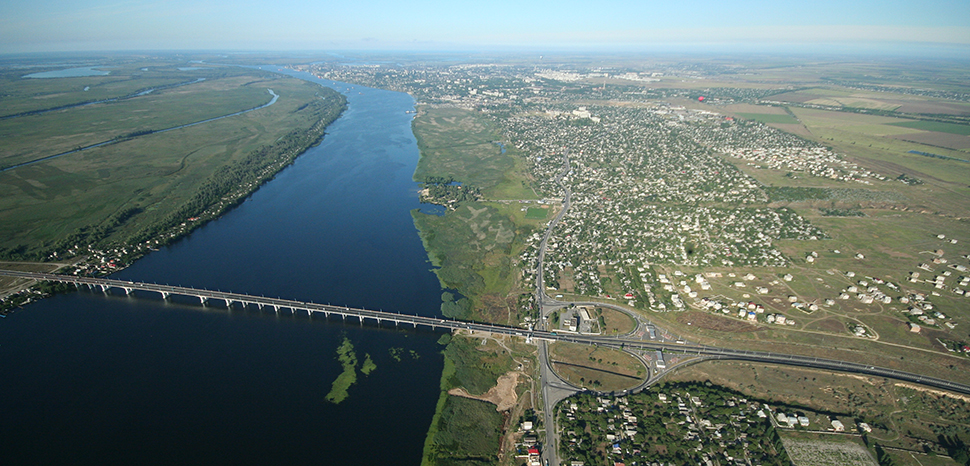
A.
x: 554, y: 389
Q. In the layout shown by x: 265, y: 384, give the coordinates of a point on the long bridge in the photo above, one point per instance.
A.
x: 261, y: 302
x: 624, y: 343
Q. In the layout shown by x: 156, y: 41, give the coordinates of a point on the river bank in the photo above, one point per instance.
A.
x: 222, y: 191
x: 474, y: 244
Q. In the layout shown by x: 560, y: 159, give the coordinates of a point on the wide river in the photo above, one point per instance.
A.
x: 95, y: 379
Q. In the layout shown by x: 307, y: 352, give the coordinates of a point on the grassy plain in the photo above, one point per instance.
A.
x: 467, y: 432
x: 536, y: 213
x: 596, y: 368
x: 963, y: 130
x: 616, y: 322
x: 473, y: 245
x: 769, y: 118
x: 868, y: 140
x: 890, y: 102
x: 31, y: 137
x: 126, y: 78
x: 464, y: 145
x: 153, y: 174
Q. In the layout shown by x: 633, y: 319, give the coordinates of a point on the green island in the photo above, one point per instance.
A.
x: 348, y: 360
x: 368, y: 365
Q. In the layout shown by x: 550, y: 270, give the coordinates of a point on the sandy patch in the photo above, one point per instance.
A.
x: 934, y: 392
x: 502, y: 395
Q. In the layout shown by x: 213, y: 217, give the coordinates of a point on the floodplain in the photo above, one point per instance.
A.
x: 136, y: 187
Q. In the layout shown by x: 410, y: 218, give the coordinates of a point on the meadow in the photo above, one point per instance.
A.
x: 924, y: 125
x: 596, y: 368
x: 463, y: 146
x: 121, y: 189
x: 768, y: 118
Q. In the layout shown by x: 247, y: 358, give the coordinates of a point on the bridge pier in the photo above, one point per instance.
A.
x: 127, y: 291
x: 228, y: 302
x: 276, y: 308
x: 203, y: 300
x: 164, y: 294
x: 104, y: 288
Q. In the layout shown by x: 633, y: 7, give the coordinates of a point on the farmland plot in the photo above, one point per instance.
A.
x: 834, y: 452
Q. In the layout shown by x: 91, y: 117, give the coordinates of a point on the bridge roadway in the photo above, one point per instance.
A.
x: 623, y: 343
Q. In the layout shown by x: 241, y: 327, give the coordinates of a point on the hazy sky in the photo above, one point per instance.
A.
x: 70, y: 25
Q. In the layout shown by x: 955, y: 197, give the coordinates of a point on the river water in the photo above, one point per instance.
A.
x: 89, y: 378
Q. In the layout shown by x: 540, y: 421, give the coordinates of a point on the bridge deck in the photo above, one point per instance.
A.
x: 437, y: 322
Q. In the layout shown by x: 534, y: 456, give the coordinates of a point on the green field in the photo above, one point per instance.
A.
x: 466, y: 432
x: 462, y: 145
x: 596, y: 368
x: 126, y: 78
x: 952, y: 128
x: 769, y: 118
x: 139, y: 186
x: 471, y: 247
x: 32, y: 137
x: 536, y: 214
x: 866, y: 138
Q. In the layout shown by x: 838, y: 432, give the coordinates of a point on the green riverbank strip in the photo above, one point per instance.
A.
x: 471, y: 246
